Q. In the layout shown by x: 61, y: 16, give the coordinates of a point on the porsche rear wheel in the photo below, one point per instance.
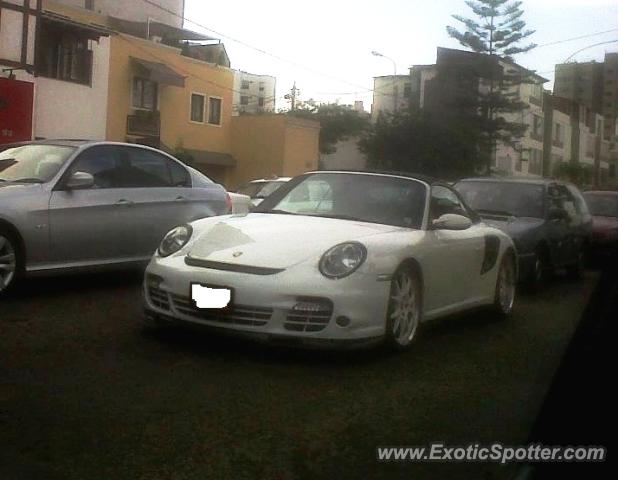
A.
x: 404, y: 309
x: 506, y: 285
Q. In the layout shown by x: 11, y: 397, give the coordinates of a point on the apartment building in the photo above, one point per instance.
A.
x: 452, y: 84
x: 253, y: 93
x: 390, y: 94
x: 594, y: 84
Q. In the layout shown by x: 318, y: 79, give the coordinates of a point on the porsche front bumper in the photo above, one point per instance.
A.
x: 297, y: 306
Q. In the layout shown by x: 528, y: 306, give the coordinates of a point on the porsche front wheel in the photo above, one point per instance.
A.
x: 404, y: 309
x: 505, y: 286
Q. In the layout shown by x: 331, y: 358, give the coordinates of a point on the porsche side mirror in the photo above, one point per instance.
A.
x: 80, y: 181
x: 451, y: 221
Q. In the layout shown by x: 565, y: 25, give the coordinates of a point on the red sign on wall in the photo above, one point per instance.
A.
x: 16, y: 102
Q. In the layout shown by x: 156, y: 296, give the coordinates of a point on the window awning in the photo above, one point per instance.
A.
x: 92, y: 30
x: 204, y: 157
x: 159, y: 72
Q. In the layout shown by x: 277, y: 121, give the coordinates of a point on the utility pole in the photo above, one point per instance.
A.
x: 292, y: 96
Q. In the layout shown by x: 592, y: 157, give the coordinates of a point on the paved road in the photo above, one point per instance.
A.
x: 86, y: 393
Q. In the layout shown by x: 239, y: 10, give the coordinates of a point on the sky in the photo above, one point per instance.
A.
x: 325, y: 45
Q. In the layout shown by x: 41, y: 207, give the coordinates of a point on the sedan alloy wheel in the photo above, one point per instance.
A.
x: 8, y: 262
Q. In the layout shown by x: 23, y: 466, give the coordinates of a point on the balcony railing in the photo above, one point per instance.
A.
x: 144, y: 124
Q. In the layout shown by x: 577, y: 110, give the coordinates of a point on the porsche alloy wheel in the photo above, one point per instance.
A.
x: 404, y: 309
x: 506, y: 286
x: 8, y: 262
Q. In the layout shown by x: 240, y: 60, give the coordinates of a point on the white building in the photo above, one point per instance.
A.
x: 170, y: 13
x: 253, y: 93
x: 390, y: 93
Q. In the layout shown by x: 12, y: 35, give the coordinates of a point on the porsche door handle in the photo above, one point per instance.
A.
x: 124, y: 203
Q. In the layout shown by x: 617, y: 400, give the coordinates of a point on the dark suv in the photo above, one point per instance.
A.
x: 548, y: 221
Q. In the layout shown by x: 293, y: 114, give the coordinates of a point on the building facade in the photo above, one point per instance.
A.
x: 391, y: 93
x: 171, y: 12
x: 253, y: 93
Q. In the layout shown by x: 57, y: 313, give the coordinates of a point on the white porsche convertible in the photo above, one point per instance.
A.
x: 335, y: 258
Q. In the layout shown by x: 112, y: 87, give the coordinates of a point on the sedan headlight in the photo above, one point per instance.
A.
x: 343, y: 259
x: 175, y: 240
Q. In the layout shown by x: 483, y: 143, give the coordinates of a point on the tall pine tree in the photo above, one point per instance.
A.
x: 498, y: 31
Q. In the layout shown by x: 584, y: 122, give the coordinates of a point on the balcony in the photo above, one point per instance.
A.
x: 147, y: 124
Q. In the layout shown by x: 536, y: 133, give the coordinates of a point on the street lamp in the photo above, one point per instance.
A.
x: 378, y: 54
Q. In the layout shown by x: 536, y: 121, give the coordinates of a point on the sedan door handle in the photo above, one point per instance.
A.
x: 180, y: 199
x: 124, y: 203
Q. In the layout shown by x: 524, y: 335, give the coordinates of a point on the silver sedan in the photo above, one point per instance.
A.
x: 69, y: 204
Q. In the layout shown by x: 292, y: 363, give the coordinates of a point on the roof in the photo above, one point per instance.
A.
x: 455, y: 51
x: 92, y: 30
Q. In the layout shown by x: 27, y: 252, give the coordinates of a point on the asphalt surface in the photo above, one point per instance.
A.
x: 87, y: 393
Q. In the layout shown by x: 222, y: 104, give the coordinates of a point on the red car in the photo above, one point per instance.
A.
x: 604, y: 208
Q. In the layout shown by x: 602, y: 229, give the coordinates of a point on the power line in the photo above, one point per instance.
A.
x: 252, y: 47
x: 576, y: 38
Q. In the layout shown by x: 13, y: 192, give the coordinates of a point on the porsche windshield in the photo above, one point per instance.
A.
x: 32, y: 163
x: 504, y: 198
x: 367, y: 198
x: 260, y: 189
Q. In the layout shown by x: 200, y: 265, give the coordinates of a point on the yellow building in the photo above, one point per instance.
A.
x: 143, y: 82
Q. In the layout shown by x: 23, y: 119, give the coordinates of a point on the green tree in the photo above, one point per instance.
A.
x: 498, y: 31
x: 337, y: 122
x: 418, y: 142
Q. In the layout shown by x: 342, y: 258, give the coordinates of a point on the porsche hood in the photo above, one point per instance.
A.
x: 276, y: 240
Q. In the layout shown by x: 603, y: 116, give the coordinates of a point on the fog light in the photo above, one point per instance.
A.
x: 343, y: 321
x: 153, y: 280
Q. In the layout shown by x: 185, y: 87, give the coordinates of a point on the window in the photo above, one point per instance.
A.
x: 444, y: 201
x: 261, y: 86
x: 214, y: 111
x: 537, y: 126
x: 244, y: 84
x: 64, y: 54
x: 180, y: 175
x: 261, y: 102
x: 244, y: 100
x: 197, y: 107
x: 145, y: 94
x: 407, y: 90
x: 558, y: 135
x: 536, y: 161
x: 144, y: 169
x: 89, y: 4
x: 101, y: 162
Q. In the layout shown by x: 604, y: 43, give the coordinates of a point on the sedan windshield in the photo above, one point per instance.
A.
x: 260, y: 189
x: 503, y: 198
x: 602, y: 205
x: 32, y: 163
x: 367, y: 198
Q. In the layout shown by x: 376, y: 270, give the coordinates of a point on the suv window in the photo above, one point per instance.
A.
x: 100, y: 161
x: 443, y: 201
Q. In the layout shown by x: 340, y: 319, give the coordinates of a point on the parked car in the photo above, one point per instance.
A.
x: 258, y: 190
x: 76, y: 204
x: 604, y: 209
x: 548, y: 220
x: 240, y: 203
x: 336, y: 258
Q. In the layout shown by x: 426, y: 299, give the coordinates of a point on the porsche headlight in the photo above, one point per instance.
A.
x: 175, y: 240
x: 343, y: 259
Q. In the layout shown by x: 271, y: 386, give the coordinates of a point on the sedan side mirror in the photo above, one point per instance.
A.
x: 80, y: 181
x: 451, y: 221
x: 557, y: 214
